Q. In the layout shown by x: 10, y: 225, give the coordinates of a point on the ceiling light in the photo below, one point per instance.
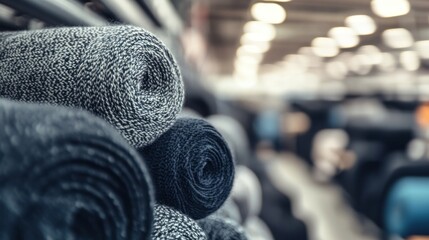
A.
x: 390, y: 8
x: 249, y: 59
x: 268, y: 12
x: 388, y: 62
x: 397, y: 38
x: 277, y: 0
x: 409, y: 60
x: 337, y: 69
x: 253, y: 48
x: 422, y: 48
x: 324, y: 47
x: 361, y: 24
x: 344, y: 36
x: 261, y: 28
x: 360, y: 64
x: 373, y: 54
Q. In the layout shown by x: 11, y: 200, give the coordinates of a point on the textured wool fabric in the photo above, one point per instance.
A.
x: 55, y: 155
x: 170, y: 224
x: 123, y: 74
x: 234, y: 134
x: 217, y: 228
x: 192, y: 167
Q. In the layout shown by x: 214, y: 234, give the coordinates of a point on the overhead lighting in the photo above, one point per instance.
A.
x: 250, y: 59
x: 277, y: 0
x: 409, y: 60
x: 422, y: 48
x: 360, y: 64
x: 261, y: 28
x: 373, y: 54
x: 390, y: 8
x: 344, y: 36
x: 337, y: 69
x: 268, y: 12
x: 253, y: 48
x: 324, y: 47
x: 388, y: 62
x: 361, y: 24
x: 397, y: 38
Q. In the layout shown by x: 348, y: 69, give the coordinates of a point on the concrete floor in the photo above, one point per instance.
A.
x: 320, y: 205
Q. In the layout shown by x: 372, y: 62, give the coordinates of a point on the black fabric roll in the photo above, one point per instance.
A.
x: 123, y: 74
x: 217, y: 228
x: 170, y: 224
x: 76, y: 164
x: 192, y: 167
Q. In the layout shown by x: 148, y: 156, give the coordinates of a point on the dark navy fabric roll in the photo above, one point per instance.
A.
x: 56, y: 161
x: 406, y: 212
x: 170, y: 224
x: 122, y: 74
x: 192, y: 167
x: 217, y: 228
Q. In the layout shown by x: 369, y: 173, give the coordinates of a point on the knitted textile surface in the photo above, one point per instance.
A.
x: 217, y: 228
x: 169, y: 224
x: 191, y: 167
x: 123, y: 74
x: 52, y: 154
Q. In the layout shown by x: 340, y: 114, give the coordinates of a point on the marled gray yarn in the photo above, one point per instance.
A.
x: 170, y: 224
x: 123, y: 74
x: 218, y: 228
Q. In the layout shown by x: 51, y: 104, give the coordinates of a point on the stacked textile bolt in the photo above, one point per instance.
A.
x: 65, y: 173
x: 123, y: 74
x: 126, y: 76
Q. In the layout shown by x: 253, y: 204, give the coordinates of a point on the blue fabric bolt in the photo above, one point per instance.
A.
x: 192, y: 167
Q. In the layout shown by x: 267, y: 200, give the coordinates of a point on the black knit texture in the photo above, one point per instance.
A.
x: 80, y: 166
x: 192, y: 167
x: 170, y: 224
x: 217, y: 228
x: 123, y: 74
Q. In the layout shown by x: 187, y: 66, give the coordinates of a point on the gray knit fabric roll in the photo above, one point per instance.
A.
x: 170, y: 224
x: 218, y: 228
x: 123, y: 74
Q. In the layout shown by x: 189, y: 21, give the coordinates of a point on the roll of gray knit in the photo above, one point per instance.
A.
x: 217, y: 228
x: 123, y: 74
x: 170, y: 224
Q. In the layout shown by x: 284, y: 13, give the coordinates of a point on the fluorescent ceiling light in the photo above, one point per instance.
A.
x: 259, y: 31
x: 373, y: 54
x: 397, y: 38
x: 422, y: 48
x: 277, y: 0
x: 268, y: 12
x: 253, y: 48
x: 344, y: 36
x: 409, y: 60
x: 324, y: 47
x: 390, y: 8
x: 388, y: 62
x: 361, y: 24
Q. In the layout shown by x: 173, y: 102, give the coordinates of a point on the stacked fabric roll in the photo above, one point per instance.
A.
x: 192, y: 167
x: 123, y: 74
x: 67, y: 173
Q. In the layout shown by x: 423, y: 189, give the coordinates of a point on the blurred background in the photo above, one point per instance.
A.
x: 324, y: 101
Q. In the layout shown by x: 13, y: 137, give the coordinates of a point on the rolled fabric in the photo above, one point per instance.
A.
x: 123, y: 74
x: 192, y: 167
x: 247, y: 192
x: 70, y: 158
x: 406, y: 212
x: 170, y: 224
x: 217, y: 228
x: 235, y: 135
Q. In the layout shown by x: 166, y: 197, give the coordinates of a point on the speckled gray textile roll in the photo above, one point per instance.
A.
x: 52, y: 154
x: 123, y: 74
x: 217, y: 228
x: 170, y: 224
